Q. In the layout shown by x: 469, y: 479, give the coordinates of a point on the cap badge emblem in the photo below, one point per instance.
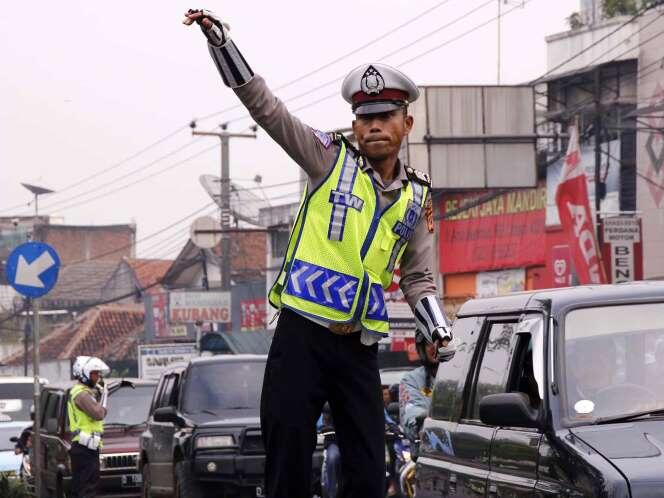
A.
x: 372, y: 82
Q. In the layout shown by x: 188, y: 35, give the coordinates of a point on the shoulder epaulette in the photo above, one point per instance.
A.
x: 418, y: 176
x: 340, y: 137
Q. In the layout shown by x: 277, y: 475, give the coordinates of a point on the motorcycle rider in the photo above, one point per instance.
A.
x: 417, y: 385
x: 86, y: 409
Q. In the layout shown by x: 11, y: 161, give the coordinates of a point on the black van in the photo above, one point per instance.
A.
x: 551, y: 393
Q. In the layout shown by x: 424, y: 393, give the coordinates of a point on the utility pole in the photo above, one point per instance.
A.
x: 36, y: 454
x: 224, y: 137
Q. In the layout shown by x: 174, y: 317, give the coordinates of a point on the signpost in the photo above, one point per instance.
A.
x: 32, y: 270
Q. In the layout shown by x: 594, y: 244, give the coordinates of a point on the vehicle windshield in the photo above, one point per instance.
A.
x: 614, y: 359
x: 129, y: 406
x: 214, y: 387
x: 15, y: 402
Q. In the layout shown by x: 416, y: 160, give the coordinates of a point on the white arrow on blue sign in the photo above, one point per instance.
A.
x: 32, y: 269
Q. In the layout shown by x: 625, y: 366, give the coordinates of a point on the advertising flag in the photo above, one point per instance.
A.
x: 576, y: 217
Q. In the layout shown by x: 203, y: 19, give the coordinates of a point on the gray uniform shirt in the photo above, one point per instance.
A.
x: 316, y: 154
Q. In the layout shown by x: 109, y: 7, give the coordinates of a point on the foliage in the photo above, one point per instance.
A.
x: 13, y: 488
x: 575, y: 21
x: 612, y: 8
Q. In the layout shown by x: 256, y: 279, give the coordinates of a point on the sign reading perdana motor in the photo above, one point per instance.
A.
x: 192, y: 307
x: 506, y: 231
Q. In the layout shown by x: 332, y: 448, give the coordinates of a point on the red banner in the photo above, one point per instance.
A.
x: 576, y: 217
x: 254, y: 314
x: 505, y: 231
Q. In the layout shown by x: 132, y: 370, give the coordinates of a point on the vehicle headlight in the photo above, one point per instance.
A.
x: 215, y: 441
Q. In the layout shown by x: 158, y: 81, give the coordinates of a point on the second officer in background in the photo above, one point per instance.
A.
x: 86, y: 409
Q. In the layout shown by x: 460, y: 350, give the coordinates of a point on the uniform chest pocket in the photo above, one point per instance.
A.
x: 387, y: 240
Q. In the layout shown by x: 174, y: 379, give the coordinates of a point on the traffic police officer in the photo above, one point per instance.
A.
x: 86, y: 409
x: 363, y: 213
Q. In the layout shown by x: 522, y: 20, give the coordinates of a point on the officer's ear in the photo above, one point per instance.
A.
x: 407, y: 121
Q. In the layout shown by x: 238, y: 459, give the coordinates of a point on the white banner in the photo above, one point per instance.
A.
x: 498, y: 283
x: 153, y: 359
x: 192, y: 307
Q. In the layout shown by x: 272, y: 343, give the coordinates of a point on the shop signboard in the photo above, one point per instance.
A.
x: 253, y: 314
x: 499, y: 283
x: 153, y: 359
x: 622, y: 248
x: 561, y: 265
x: 499, y: 230
x: 192, y: 307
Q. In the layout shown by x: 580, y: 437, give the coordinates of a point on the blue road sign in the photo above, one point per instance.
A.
x: 32, y: 269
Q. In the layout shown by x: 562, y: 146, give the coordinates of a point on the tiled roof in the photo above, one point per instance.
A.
x: 109, y: 332
x: 148, y: 271
x: 79, y: 283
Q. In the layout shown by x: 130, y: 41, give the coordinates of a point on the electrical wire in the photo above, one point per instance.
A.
x: 408, y: 61
x: 343, y: 57
x: 594, y: 44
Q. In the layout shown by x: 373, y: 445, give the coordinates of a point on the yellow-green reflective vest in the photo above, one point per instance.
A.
x: 343, y: 249
x: 79, y: 421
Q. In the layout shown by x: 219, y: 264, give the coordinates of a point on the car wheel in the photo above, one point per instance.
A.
x: 185, y: 484
x: 147, y: 484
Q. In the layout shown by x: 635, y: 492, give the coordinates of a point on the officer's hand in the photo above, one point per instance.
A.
x: 216, y: 31
x: 446, y: 351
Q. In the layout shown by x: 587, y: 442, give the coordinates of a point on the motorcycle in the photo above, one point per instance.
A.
x: 405, y: 454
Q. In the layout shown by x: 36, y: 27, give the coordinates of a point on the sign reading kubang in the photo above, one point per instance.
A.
x: 192, y: 307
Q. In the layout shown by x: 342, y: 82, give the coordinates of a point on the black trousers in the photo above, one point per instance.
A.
x: 308, y: 365
x: 84, y: 471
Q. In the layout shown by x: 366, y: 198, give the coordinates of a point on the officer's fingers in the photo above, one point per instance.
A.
x: 191, y: 17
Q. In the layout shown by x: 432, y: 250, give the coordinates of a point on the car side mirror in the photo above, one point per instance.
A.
x: 508, y: 410
x: 168, y: 414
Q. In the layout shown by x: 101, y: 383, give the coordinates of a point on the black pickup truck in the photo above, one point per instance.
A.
x: 556, y: 393
x: 203, y: 436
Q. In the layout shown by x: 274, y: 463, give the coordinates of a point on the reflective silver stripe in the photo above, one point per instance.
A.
x: 345, y: 185
x: 428, y: 315
x: 222, y: 66
x: 418, y: 190
x: 395, y: 252
x: 336, y: 224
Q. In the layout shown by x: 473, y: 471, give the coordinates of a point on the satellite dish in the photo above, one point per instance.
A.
x: 245, y: 204
x: 205, y: 232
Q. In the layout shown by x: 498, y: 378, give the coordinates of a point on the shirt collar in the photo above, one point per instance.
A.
x: 400, y: 180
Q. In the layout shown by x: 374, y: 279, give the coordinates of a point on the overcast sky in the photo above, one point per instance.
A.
x: 85, y: 85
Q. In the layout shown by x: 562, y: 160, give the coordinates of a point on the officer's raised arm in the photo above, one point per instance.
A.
x: 309, y: 148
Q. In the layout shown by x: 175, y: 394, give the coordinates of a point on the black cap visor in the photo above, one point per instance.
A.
x: 378, y: 106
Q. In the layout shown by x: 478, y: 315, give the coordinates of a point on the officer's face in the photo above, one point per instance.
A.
x: 94, y: 377
x: 380, y: 135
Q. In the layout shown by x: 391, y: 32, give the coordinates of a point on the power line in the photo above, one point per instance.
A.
x: 585, y: 49
x: 140, y: 180
x: 126, y: 175
x: 462, y: 17
x: 110, y: 168
x: 389, y: 32
x: 437, y: 47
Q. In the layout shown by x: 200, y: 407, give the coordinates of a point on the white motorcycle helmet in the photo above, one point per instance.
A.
x: 84, y: 365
